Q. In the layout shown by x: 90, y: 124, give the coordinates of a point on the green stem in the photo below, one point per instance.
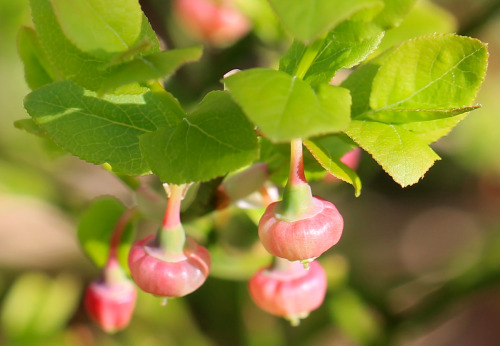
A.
x: 171, y: 236
x: 308, y: 58
x: 297, y: 197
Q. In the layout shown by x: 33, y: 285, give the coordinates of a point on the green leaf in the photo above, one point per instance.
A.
x: 431, y: 130
x: 393, y: 13
x: 39, y: 306
x: 101, y: 28
x: 353, y: 317
x: 435, y: 72
x: 30, y: 126
x: 425, y: 18
x: 101, y: 130
x: 414, y: 94
x: 401, y: 154
x: 149, y: 67
x: 344, y: 47
x: 333, y: 165
x: 308, y: 20
x: 37, y: 69
x: 285, y: 107
x: 215, y: 139
x: 96, y: 227
x: 69, y: 61
x: 416, y: 115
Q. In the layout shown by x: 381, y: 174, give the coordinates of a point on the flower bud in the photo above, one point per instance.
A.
x: 291, y: 292
x: 155, y: 272
x: 110, y: 302
x: 304, y: 238
x: 216, y: 22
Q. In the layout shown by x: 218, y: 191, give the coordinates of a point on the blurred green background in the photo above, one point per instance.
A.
x: 415, y: 266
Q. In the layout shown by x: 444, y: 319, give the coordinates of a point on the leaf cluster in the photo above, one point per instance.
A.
x: 96, y: 91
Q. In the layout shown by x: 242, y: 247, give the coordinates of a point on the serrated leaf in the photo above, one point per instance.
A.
x: 424, y: 18
x: 95, y: 230
x: 68, y: 60
x: 308, y: 20
x: 333, y: 165
x: 432, y: 72
x: 101, y: 28
x: 37, y: 69
x: 285, y: 107
x: 149, y: 67
x: 344, y: 47
x: 215, y: 139
x: 393, y: 13
x: 401, y: 154
x: 402, y: 116
x: 414, y: 95
x: 431, y: 130
x: 101, y: 130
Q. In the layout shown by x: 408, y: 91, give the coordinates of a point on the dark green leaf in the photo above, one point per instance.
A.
x: 215, y: 139
x: 101, y: 130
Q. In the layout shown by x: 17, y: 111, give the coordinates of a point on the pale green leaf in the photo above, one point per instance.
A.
x: 393, y: 13
x: 333, y: 165
x: 37, y: 69
x: 285, y: 107
x: 96, y: 227
x: 425, y: 18
x: 68, y: 60
x: 434, y: 72
x: 149, y: 67
x: 403, y: 155
x: 214, y: 140
x: 354, y: 318
x: 29, y: 126
x: 412, y: 96
x: 403, y: 116
x: 101, y: 130
x: 101, y: 28
x: 308, y: 20
x: 344, y: 47
x: 431, y: 130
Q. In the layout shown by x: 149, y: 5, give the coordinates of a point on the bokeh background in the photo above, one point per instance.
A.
x: 415, y: 266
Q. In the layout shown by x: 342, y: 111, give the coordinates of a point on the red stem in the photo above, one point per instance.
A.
x: 118, y: 232
x: 297, y: 176
x: 172, y: 216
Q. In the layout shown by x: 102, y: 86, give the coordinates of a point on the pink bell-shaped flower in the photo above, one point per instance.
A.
x: 302, y: 239
x: 169, y: 265
x: 288, y: 290
x: 157, y: 273
x: 110, y: 301
x: 301, y: 226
